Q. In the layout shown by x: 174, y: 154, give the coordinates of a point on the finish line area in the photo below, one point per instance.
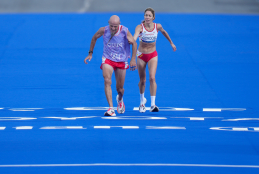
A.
x: 52, y: 104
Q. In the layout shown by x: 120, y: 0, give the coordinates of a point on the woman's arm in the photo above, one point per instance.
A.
x: 160, y: 28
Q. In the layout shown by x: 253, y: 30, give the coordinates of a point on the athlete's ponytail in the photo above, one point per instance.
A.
x: 151, y: 10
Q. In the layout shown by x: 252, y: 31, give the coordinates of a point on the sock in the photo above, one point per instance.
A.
x: 142, y: 98
x: 153, y: 99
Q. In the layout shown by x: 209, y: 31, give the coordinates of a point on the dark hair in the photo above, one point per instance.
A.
x: 151, y: 10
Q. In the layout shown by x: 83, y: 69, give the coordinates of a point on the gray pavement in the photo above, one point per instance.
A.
x: 171, y: 6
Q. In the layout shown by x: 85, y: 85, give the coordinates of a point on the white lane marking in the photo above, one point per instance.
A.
x: 88, y: 108
x: 23, y: 127
x: 239, y: 129
x: 129, y: 127
x: 167, y: 109
x: 62, y: 127
x: 70, y: 118
x: 246, y: 129
x: 135, y: 118
x: 255, y: 128
x: 16, y: 118
x: 24, y: 109
x: 211, y: 110
x: 164, y: 127
x: 2, y: 128
x: 132, y: 164
x: 240, y: 119
x: 123, y: 127
x: 1, y: 108
x: 102, y: 127
x: 222, y: 109
x: 85, y: 7
x: 197, y: 118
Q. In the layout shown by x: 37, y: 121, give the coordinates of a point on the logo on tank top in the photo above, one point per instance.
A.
x: 115, y: 45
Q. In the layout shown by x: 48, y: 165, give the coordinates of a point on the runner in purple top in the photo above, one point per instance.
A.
x: 116, y: 51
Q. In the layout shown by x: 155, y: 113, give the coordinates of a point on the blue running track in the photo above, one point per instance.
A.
x: 52, y: 104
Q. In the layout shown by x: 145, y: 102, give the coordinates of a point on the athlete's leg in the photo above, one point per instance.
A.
x: 107, y: 75
x: 152, y: 67
x: 120, y: 79
x: 142, y: 75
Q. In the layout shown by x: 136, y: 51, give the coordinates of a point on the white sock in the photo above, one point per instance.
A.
x: 153, y: 100
x: 142, y: 98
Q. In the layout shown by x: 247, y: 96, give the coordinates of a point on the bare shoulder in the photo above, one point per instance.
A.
x: 101, y: 30
x: 159, y: 27
x: 99, y: 33
x: 138, y: 28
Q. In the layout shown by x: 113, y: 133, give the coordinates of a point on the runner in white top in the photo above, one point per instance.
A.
x: 148, y: 36
x: 147, y: 55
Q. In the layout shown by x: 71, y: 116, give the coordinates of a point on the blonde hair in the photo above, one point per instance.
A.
x: 151, y: 10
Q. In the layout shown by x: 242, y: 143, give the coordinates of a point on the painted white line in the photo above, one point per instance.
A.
x: 222, y: 109
x: 246, y: 129
x: 255, y: 128
x: 62, y: 127
x: 2, y: 128
x: 164, y: 127
x: 211, y: 110
x: 24, y: 109
x: 66, y: 118
x: 182, y: 109
x: 130, y: 127
x: 135, y: 118
x: 241, y: 119
x: 133, y: 164
x: 239, y: 129
x: 123, y: 127
x: 233, y: 109
x: 1, y: 108
x: 88, y: 108
x: 197, y: 118
x: 167, y: 109
x: 23, y: 127
x: 16, y: 118
x: 102, y: 127
x: 70, y: 118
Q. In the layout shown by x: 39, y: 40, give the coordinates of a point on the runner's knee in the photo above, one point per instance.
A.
x: 142, y: 82
x: 107, y: 81
x: 152, y: 79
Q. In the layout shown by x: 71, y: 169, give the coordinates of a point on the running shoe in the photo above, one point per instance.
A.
x: 154, y: 109
x: 120, y: 105
x: 110, y: 112
x: 142, y: 107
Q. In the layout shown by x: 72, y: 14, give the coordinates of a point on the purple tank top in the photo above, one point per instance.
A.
x: 118, y: 48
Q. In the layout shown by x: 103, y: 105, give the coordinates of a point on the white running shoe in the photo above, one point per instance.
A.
x: 154, y: 109
x: 120, y: 105
x: 142, y: 107
x: 110, y: 112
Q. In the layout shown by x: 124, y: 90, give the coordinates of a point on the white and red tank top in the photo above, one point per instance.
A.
x: 148, y: 36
